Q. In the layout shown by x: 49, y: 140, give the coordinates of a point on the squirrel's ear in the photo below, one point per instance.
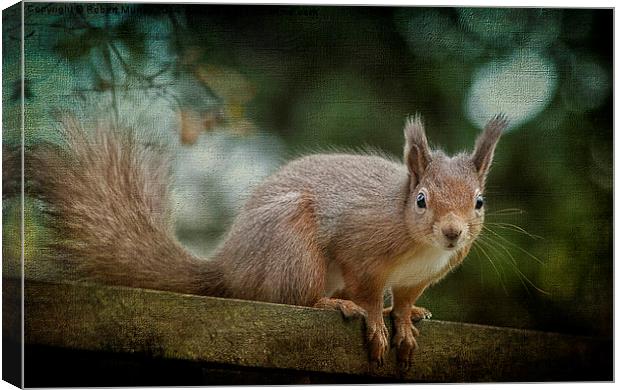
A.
x: 417, y: 154
x: 482, y: 155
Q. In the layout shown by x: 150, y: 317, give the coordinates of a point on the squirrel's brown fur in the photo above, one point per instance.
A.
x: 107, y: 200
x: 327, y: 230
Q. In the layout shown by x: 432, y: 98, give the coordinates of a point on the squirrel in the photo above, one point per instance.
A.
x: 325, y: 230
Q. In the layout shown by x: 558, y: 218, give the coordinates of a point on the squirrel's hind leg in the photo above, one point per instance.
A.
x: 272, y: 252
x: 349, y: 309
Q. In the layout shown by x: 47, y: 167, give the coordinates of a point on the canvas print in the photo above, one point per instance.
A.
x: 201, y: 194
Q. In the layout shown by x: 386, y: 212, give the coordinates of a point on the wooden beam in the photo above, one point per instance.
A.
x: 241, y: 333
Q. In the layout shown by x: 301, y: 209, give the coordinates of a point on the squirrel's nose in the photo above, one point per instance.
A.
x: 452, y: 233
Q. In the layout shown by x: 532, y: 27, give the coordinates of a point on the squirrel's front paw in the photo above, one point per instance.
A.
x: 405, y: 343
x: 417, y: 313
x: 420, y: 313
x: 349, y: 309
x: 377, y: 336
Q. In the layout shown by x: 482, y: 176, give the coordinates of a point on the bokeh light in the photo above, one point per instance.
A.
x: 520, y: 86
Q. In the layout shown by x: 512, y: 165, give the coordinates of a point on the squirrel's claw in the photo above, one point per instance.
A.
x: 378, y: 342
x: 420, y: 313
x: 405, y: 343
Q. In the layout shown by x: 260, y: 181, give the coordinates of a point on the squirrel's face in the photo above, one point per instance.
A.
x: 445, y: 205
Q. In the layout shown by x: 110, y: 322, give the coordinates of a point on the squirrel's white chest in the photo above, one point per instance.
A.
x: 418, y: 266
x: 414, y: 268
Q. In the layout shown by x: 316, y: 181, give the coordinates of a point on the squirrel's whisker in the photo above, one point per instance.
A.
x: 486, y: 228
x: 514, y: 228
x: 508, y: 211
x: 477, y: 245
x: 488, y: 240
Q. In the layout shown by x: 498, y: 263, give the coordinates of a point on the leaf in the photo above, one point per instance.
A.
x: 190, y: 125
x: 228, y: 84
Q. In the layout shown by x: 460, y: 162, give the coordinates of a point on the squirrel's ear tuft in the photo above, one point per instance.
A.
x: 417, y: 154
x: 482, y: 155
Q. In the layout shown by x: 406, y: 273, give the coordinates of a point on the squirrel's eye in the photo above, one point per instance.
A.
x: 479, y: 202
x: 420, y: 200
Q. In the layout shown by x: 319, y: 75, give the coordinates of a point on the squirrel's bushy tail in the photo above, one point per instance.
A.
x: 106, y: 199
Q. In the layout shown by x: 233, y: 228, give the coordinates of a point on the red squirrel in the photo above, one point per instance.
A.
x: 325, y: 230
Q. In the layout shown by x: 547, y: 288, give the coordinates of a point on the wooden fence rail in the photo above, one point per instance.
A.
x: 69, y: 325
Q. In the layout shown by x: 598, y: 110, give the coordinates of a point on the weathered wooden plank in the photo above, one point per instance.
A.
x: 252, y: 334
